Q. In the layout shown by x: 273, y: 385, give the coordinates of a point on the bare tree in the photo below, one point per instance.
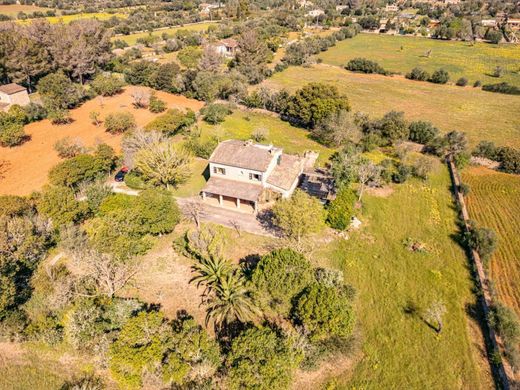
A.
x: 210, y: 61
x: 141, y: 97
x: 234, y: 223
x: 367, y: 172
x: 194, y: 209
x: 95, y: 273
x: 434, y: 315
x: 137, y: 140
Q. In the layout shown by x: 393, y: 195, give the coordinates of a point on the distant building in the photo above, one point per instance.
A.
x: 227, y: 47
x: 391, y: 8
x: 244, y: 174
x: 206, y: 8
x: 489, y: 22
x: 514, y: 24
x: 13, y: 94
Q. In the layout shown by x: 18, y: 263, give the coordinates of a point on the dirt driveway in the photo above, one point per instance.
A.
x: 25, y: 167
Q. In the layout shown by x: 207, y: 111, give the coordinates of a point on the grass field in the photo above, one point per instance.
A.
x: 13, y: 9
x: 70, y: 18
x: 494, y: 202
x: 241, y: 124
x: 461, y: 59
x: 481, y: 115
x: 132, y: 38
x: 400, y: 351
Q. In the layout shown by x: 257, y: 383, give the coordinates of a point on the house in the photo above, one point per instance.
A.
x: 513, y: 24
x: 206, y: 8
x: 489, y: 22
x: 244, y: 174
x: 391, y: 8
x: 13, y: 94
x: 227, y: 47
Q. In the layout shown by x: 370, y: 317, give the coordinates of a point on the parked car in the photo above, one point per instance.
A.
x: 120, y: 175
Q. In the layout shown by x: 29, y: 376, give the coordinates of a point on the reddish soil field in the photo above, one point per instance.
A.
x: 25, y: 167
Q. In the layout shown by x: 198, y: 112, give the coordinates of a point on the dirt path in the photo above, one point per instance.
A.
x: 26, y: 166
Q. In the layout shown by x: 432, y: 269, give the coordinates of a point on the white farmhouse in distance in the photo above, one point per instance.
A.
x: 244, y: 174
x: 227, y: 47
x: 11, y: 94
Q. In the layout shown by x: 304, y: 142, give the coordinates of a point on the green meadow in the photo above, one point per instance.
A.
x: 131, y: 39
x: 481, y: 115
x: 399, y: 350
x: 475, y: 61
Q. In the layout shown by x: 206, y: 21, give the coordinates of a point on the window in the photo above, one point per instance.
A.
x: 220, y: 171
x: 255, y: 176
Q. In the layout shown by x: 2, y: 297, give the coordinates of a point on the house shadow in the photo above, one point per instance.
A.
x: 266, y: 219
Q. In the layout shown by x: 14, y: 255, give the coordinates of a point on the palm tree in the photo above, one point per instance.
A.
x: 210, y: 271
x: 231, y: 301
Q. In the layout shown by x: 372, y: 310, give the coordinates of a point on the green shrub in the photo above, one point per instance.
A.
x: 156, y: 105
x: 418, y: 74
x: 502, y: 88
x: 12, y: 135
x: 341, y: 209
x: 107, y: 85
x: 325, y: 312
x: 60, y: 204
x: 119, y: 122
x: 422, y: 132
x: 134, y: 181
x: 13, y: 205
x: 172, y: 121
x: 365, y: 66
x: 440, y: 77
x: 84, y: 167
x: 67, y: 147
x: 477, y: 83
x: 279, y: 276
x: 202, y: 149
x: 462, y: 82
x: 215, y: 113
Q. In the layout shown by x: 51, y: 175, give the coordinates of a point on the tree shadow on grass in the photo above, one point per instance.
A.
x: 412, y: 310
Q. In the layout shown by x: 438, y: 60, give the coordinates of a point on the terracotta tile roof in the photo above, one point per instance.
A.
x: 233, y: 188
x: 286, y: 172
x: 229, y: 42
x: 243, y: 154
x: 11, y: 89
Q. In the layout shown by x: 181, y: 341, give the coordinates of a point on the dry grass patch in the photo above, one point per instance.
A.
x: 494, y: 202
x: 28, y: 164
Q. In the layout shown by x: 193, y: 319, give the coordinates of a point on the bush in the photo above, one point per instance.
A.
x: 403, y: 173
x: 464, y: 189
x: 134, y: 181
x: 462, y: 82
x: 486, y: 149
x: 13, y: 205
x: 477, y: 84
x: 215, y: 113
x: 35, y: 112
x: 60, y: 204
x: 509, y: 159
x: 440, y: 77
x: 279, y: 276
x: 506, y: 323
x: 119, y: 122
x: 12, y: 134
x: 325, y: 312
x: 260, y: 359
x: 107, y: 85
x: 422, y: 132
x: 481, y: 239
x: 84, y: 167
x: 67, y: 147
x: 172, y: 121
x: 202, y: 149
x: 341, y: 209
x: 502, y: 88
x: 365, y: 66
x: 59, y: 116
x: 418, y: 74
x: 156, y: 105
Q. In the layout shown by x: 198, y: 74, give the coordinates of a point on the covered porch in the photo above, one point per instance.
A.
x: 232, y: 194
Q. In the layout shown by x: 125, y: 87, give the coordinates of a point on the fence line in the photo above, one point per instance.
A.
x: 485, y: 299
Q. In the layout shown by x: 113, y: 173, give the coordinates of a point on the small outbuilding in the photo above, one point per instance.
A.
x: 11, y: 94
